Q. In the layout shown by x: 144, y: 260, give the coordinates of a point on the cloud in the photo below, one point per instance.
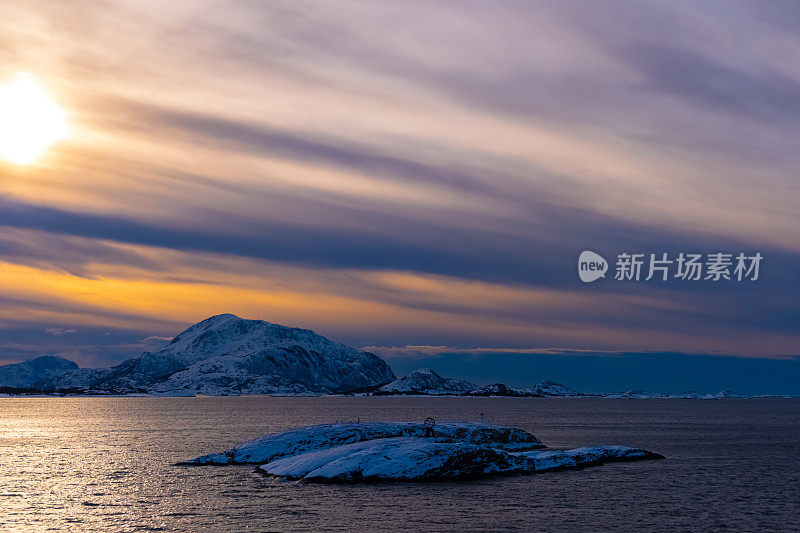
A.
x: 155, y: 339
x: 330, y: 150
x: 432, y: 351
x: 59, y: 331
x: 499, y: 253
x: 770, y: 97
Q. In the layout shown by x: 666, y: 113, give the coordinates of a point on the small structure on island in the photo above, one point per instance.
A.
x: 429, y: 423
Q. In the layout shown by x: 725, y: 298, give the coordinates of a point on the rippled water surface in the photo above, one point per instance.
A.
x: 107, y: 464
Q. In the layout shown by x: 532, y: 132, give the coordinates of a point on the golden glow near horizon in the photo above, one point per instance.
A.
x: 30, y: 120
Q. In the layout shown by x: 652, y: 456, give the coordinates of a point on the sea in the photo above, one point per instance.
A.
x: 108, y: 464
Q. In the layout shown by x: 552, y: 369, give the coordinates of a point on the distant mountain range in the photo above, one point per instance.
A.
x: 228, y: 355
x: 427, y: 382
x: 221, y: 355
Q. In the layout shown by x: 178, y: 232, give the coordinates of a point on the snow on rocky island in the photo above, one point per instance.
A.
x: 314, y: 438
x: 403, y: 451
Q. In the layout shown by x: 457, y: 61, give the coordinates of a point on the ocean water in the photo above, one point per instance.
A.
x: 106, y: 464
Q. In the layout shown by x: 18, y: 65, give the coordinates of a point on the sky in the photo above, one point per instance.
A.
x: 416, y: 177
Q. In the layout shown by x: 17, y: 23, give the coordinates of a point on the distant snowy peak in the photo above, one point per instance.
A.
x: 551, y: 388
x: 729, y: 394
x: 35, y: 373
x: 426, y: 381
x: 498, y: 389
x: 544, y: 388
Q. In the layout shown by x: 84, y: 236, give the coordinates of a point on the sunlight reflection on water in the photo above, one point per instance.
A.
x: 106, y: 464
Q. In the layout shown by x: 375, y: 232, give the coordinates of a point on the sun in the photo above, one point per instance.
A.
x: 30, y: 120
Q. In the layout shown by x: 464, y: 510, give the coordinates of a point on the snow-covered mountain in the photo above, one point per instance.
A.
x: 226, y: 354
x: 551, y: 388
x: 426, y: 381
x: 35, y: 373
x: 497, y: 389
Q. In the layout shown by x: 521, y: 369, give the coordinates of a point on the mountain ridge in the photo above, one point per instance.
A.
x: 34, y: 373
x: 426, y: 381
x: 226, y: 354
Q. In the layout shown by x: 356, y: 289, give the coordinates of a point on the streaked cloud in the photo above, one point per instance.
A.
x: 59, y: 331
x: 406, y: 173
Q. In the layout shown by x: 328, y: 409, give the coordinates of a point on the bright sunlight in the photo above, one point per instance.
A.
x: 30, y: 120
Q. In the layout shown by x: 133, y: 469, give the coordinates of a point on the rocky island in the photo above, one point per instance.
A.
x: 403, y: 451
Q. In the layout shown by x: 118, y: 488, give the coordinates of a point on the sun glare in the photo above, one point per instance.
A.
x: 30, y: 120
